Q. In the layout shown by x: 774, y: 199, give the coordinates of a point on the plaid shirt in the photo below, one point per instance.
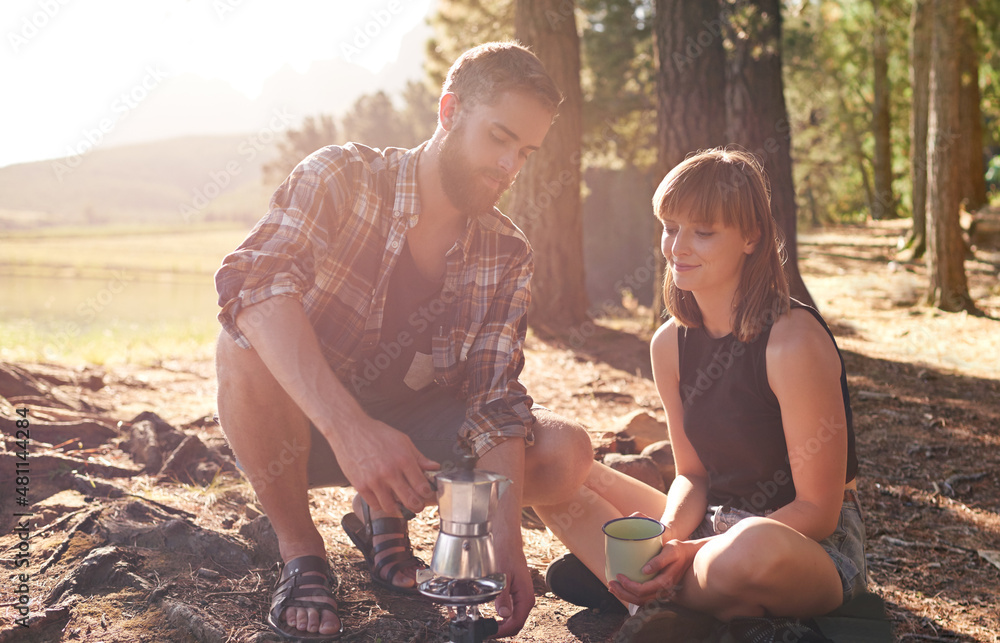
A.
x: 333, y: 233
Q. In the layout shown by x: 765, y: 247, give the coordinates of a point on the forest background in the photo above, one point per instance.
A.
x: 834, y: 96
x: 878, y: 122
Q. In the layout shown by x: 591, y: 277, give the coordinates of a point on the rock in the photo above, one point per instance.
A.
x: 167, y: 436
x: 144, y: 447
x: 223, y: 456
x: 662, y: 454
x: 208, y: 574
x: 640, y: 467
x: 623, y: 444
x: 182, y: 462
x: 179, y: 537
x: 642, y: 428
x: 161, y: 425
x: 101, y: 567
x: 205, y: 472
x: 264, y: 541
x: 187, y: 618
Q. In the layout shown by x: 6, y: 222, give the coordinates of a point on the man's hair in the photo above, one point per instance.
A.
x: 729, y: 186
x: 482, y: 74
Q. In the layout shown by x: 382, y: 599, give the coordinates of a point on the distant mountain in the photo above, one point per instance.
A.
x: 209, y: 144
x: 180, y: 180
x: 187, y: 104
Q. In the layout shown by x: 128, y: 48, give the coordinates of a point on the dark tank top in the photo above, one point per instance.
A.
x: 733, y: 420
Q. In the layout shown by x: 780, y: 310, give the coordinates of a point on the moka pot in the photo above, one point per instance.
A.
x: 467, y: 500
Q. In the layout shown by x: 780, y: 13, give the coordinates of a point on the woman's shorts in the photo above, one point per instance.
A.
x: 845, y: 546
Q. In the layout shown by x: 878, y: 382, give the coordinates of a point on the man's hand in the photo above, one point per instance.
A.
x: 516, y: 601
x: 383, y: 465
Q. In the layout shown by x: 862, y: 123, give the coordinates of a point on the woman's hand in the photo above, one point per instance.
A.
x: 670, y: 566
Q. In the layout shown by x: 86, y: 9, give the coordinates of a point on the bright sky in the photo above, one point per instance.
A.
x: 64, y: 64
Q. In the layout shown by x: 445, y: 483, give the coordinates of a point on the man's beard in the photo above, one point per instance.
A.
x: 461, y: 182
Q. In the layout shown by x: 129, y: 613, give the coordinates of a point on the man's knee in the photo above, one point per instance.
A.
x: 249, y: 394
x: 231, y: 361
x: 561, y: 446
x: 241, y: 372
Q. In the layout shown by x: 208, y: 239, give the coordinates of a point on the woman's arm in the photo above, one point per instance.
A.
x: 803, y: 370
x: 687, y: 497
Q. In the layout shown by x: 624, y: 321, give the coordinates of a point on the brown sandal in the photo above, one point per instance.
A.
x: 289, y: 590
x: 362, y: 534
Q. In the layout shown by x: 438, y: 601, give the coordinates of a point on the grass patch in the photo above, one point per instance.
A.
x: 106, y: 345
x: 111, y: 295
x: 141, y: 252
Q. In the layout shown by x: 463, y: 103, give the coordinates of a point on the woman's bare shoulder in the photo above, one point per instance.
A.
x: 799, y: 338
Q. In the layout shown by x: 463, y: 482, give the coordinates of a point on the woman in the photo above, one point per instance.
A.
x: 762, y: 518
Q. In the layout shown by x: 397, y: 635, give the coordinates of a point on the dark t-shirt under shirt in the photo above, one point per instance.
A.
x: 412, y: 307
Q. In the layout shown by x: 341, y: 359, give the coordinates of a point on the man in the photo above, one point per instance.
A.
x: 375, y: 322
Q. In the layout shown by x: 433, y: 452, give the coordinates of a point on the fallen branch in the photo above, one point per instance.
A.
x: 167, y: 508
x: 51, y: 465
x: 90, y: 487
x: 58, y: 522
x: 89, y: 433
x: 896, y: 542
x: 947, y: 487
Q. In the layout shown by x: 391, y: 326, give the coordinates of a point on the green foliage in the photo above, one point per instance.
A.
x: 376, y: 122
x: 462, y: 24
x: 373, y: 120
x: 829, y: 91
x: 617, y: 76
x: 619, y: 83
x: 315, y: 132
x: 987, y: 12
x: 993, y: 177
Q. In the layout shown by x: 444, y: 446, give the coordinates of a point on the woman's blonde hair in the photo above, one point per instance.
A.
x: 729, y: 186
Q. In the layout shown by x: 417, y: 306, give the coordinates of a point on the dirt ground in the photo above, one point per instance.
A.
x: 125, y: 555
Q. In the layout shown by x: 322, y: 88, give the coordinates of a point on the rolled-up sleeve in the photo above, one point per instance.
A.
x: 280, y: 255
x: 499, y: 405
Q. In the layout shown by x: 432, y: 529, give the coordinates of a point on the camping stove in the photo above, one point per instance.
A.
x: 463, y: 570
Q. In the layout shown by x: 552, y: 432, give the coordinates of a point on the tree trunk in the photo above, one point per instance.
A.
x: 884, y: 204
x: 691, y: 79
x: 921, y: 30
x: 545, y: 200
x: 970, y: 116
x: 757, y: 117
x: 946, y: 250
x: 690, y: 89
